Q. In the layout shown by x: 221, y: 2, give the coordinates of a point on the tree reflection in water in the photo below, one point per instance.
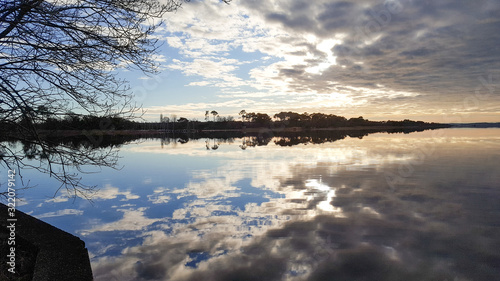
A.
x: 321, y: 211
x: 338, y: 220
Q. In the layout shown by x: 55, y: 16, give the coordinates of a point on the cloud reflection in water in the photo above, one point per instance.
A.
x: 320, y: 212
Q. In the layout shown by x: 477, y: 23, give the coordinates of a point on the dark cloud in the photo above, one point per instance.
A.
x: 420, y: 52
x: 336, y: 15
x: 427, y: 47
x: 291, y: 72
x: 299, y: 23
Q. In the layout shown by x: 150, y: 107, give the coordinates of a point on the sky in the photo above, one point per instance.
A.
x: 434, y: 61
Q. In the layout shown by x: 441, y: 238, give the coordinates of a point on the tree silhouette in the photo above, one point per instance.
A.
x: 61, y: 56
x: 214, y: 113
x: 258, y: 118
x: 242, y: 114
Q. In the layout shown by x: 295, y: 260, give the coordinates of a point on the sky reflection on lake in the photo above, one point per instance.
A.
x: 420, y: 206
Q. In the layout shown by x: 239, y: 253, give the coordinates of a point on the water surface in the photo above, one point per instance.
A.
x: 419, y: 206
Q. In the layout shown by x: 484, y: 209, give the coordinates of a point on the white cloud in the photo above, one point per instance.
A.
x: 60, y: 213
x: 133, y: 219
x: 207, y: 68
x: 59, y: 199
x: 112, y: 192
x: 159, y: 198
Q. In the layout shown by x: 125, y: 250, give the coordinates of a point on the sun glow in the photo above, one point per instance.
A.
x: 326, y: 47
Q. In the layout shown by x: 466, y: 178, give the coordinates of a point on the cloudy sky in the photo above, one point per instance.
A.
x: 394, y: 59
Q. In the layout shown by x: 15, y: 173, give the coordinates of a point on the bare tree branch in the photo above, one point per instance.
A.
x: 60, y: 56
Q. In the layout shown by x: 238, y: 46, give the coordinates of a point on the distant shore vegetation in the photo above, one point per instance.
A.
x: 213, y: 122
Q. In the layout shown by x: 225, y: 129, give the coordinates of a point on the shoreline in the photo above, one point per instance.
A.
x: 78, y: 133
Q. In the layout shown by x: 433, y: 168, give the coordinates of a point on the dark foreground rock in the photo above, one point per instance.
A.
x: 42, y: 252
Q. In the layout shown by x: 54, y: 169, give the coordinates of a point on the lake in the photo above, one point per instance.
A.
x: 418, y: 206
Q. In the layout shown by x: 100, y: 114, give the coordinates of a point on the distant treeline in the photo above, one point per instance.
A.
x: 212, y: 139
x: 248, y: 120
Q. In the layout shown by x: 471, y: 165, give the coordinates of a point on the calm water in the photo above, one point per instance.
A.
x: 419, y: 206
